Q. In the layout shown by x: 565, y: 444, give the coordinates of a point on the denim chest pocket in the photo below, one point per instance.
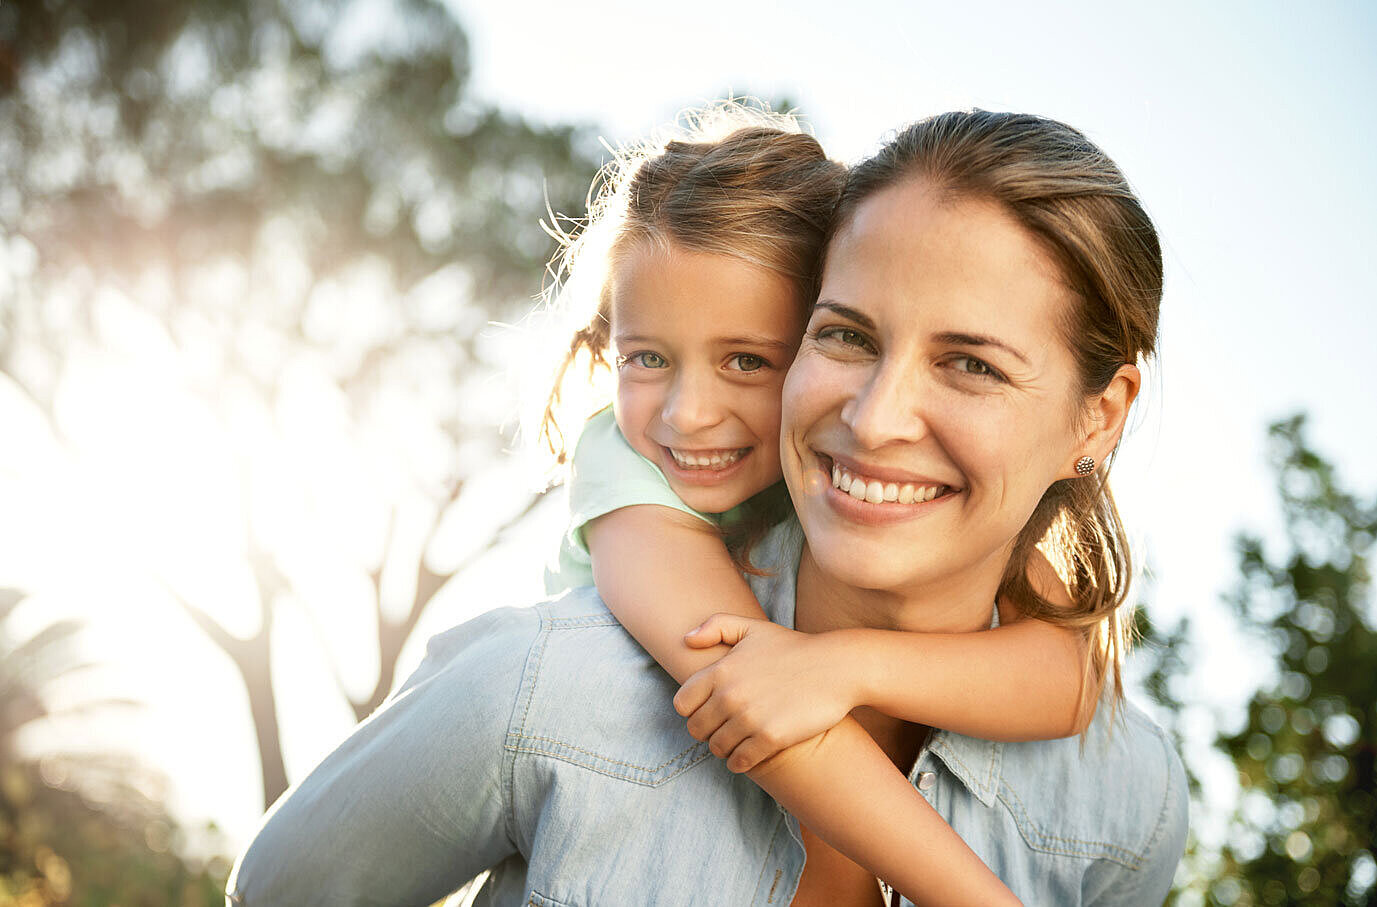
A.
x: 536, y: 899
x: 591, y: 696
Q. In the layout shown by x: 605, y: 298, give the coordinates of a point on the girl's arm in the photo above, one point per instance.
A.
x: 1021, y: 681
x: 662, y: 572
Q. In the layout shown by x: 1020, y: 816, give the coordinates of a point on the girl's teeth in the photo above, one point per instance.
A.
x: 706, y: 461
x: 876, y: 492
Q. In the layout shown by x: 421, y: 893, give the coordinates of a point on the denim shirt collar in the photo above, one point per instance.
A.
x: 974, y: 762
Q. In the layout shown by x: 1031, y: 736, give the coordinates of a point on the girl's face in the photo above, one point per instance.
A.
x: 702, y: 342
x: 933, y: 400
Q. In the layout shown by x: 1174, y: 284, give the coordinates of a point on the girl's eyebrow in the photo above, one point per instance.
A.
x: 756, y: 340
x: 773, y: 343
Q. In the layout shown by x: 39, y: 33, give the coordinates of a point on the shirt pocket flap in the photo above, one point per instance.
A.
x: 591, y: 696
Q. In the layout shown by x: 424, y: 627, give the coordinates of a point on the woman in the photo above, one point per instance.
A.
x: 988, y: 290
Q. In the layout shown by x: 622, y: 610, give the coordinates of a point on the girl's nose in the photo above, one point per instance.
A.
x: 691, y: 404
x: 887, y: 408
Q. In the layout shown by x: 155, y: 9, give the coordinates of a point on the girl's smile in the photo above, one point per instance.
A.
x: 702, y: 342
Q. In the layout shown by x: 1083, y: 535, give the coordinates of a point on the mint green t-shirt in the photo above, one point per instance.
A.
x: 606, y: 474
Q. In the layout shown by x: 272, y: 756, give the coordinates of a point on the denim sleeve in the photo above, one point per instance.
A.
x: 412, y: 804
x: 1150, y: 882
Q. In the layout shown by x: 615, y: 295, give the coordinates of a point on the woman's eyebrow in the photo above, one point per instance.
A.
x: 846, y: 312
x: 957, y: 338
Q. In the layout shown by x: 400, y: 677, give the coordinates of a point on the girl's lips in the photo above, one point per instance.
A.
x: 703, y: 475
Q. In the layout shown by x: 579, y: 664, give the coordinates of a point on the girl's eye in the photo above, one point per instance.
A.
x: 746, y: 362
x: 645, y: 359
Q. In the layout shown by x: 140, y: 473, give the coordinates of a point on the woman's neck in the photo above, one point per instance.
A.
x: 960, y: 602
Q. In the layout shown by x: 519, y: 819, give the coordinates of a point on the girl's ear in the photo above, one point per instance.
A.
x: 1106, y: 414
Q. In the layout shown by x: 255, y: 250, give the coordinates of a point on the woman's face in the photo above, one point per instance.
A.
x: 933, y: 399
x: 702, y: 344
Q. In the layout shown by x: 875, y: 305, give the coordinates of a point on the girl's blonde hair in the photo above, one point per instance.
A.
x: 1068, y: 193
x: 733, y: 179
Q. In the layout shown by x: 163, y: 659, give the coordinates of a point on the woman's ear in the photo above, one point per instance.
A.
x: 1106, y: 414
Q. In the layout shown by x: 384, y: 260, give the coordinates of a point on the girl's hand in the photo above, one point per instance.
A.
x: 776, y: 687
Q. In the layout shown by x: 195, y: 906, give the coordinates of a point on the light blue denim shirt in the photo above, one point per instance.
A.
x: 540, y: 743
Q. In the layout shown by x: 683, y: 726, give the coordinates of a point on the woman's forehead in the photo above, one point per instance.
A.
x: 914, y: 251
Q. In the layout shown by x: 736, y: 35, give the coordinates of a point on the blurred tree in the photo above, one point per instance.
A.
x: 103, y: 842
x: 1306, y: 823
x: 283, y: 222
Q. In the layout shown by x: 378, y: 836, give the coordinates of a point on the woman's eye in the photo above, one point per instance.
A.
x: 746, y: 362
x: 969, y: 365
x: 848, y: 337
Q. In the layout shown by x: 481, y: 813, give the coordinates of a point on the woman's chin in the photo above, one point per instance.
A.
x: 880, y: 564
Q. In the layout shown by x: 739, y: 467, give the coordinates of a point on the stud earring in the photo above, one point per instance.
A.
x: 1085, y: 466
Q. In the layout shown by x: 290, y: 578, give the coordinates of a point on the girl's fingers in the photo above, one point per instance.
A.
x: 707, y: 720
x: 719, y: 629
x: 726, y: 739
x: 693, y: 693
x: 747, y: 756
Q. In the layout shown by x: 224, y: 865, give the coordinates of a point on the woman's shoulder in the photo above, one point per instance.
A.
x: 1118, y: 794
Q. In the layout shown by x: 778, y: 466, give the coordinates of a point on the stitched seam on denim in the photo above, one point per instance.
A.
x: 581, y: 623
x: 641, y: 768
x: 1166, y: 796
x: 594, y: 767
x: 1104, y: 849
x: 544, y: 900
x: 760, y: 879
x: 945, y: 748
x: 527, y: 690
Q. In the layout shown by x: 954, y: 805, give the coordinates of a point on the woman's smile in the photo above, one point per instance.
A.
x: 876, y: 495
x: 933, y: 399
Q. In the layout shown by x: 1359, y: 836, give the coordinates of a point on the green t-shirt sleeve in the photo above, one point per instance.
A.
x: 607, y: 474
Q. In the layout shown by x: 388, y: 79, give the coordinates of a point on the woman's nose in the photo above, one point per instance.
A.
x: 691, y: 404
x: 887, y: 408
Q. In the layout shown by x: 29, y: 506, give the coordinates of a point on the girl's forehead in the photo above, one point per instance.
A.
x: 678, y: 291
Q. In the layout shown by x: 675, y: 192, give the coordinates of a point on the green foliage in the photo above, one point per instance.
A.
x: 1307, y: 819
x: 57, y: 847
x: 80, y: 831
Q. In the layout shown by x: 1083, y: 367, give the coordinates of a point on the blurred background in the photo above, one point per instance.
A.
x: 264, y: 271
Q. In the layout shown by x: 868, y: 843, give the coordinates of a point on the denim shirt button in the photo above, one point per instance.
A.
x: 926, y: 780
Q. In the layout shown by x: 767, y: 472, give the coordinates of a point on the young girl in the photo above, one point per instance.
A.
x: 711, y: 248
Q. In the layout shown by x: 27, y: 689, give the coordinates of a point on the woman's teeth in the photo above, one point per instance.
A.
x: 877, y: 492
x: 715, y: 460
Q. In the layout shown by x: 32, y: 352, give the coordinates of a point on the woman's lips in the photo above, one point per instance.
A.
x: 879, y: 499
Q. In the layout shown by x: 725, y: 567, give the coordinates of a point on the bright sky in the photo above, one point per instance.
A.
x: 1241, y: 125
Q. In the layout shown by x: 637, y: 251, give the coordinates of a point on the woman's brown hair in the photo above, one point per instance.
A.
x: 736, y: 180
x: 1066, y: 192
